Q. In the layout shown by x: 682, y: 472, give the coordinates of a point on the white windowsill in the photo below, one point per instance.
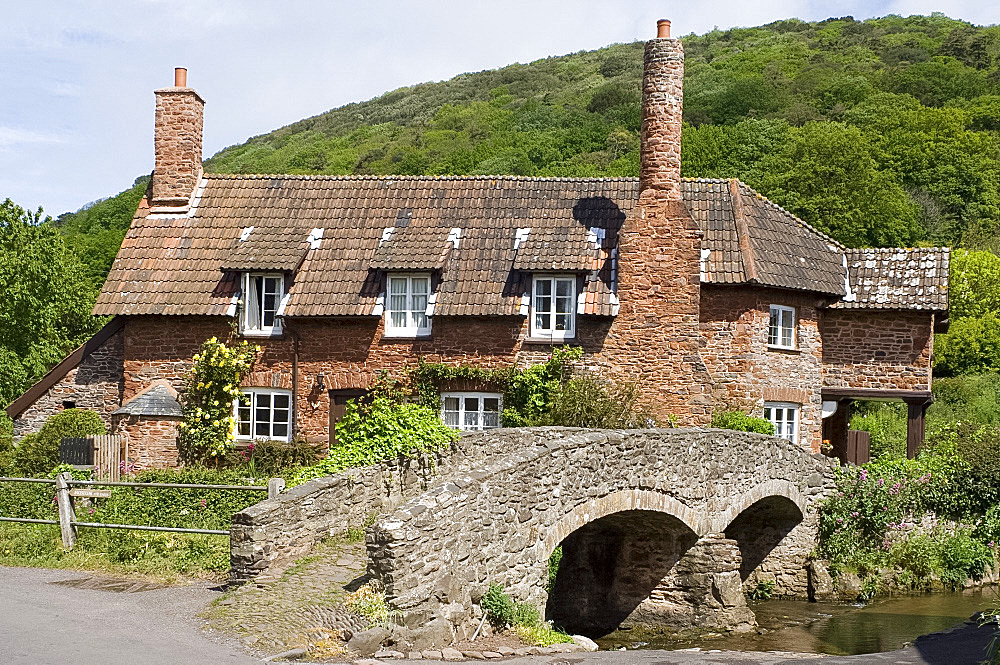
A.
x: 274, y: 332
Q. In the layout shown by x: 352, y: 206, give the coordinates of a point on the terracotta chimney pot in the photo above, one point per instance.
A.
x: 181, y: 77
x: 663, y: 29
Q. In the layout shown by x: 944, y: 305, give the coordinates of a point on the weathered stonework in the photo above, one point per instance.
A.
x: 866, y: 349
x: 151, y: 443
x: 745, y: 371
x: 500, y: 523
x: 96, y: 384
x: 178, y: 128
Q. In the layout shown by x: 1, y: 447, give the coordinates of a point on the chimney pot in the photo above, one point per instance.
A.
x: 663, y: 29
x: 180, y: 77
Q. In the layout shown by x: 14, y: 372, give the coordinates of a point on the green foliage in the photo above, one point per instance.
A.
x: 211, y: 387
x: 587, y: 401
x: 501, y: 608
x: 970, y: 398
x: 971, y: 346
x: 427, y: 379
x: 554, y: 560
x: 886, y: 422
x: 47, y: 299
x: 988, y: 527
x: 273, y: 458
x: 542, y: 634
x: 381, y: 430
x: 369, y: 602
x: 742, y: 422
x: 532, y: 390
x: 763, y: 591
x: 36, y: 454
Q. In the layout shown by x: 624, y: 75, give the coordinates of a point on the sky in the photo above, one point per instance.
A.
x: 77, y: 77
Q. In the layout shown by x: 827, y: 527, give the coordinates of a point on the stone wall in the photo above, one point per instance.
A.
x: 178, y: 128
x: 877, y: 349
x: 500, y: 522
x: 96, y: 384
x: 151, y: 441
x: 745, y: 371
x: 270, y: 534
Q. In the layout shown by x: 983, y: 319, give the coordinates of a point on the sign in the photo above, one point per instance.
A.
x: 87, y: 493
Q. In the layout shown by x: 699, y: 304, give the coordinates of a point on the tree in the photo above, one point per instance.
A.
x: 827, y: 176
x: 47, y: 298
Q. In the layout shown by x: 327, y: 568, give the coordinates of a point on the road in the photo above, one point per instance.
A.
x: 43, y: 622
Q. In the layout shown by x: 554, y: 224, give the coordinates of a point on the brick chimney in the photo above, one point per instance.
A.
x: 179, y: 119
x: 655, y: 338
x: 662, y: 103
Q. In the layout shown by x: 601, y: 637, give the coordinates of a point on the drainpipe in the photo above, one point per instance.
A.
x: 295, y: 382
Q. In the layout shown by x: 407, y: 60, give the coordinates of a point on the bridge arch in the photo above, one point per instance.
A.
x: 702, y: 491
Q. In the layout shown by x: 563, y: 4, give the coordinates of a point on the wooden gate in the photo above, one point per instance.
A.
x: 858, y: 447
x: 103, y: 453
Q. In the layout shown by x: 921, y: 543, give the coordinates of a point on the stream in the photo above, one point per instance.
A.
x: 799, y: 626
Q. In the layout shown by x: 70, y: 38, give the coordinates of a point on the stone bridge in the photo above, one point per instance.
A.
x: 657, y: 527
x: 661, y: 527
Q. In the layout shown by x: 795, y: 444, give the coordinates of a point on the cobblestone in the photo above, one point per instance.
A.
x: 302, y: 606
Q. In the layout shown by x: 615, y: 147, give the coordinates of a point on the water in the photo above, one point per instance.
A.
x: 831, y: 628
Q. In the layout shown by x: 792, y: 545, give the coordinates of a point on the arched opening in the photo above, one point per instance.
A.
x: 617, y: 570
x: 760, y: 528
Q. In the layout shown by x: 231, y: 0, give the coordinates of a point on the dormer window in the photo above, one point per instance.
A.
x: 262, y: 294
x: 407, y: 297
x: 553, y: 307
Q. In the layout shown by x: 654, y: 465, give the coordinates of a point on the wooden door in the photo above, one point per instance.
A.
x: 338, y: 406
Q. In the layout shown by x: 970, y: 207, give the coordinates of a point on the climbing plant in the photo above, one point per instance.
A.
x: 527, y: 393
x: 211, y: 388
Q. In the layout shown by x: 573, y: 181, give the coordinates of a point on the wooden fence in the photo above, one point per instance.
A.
x: 103, y: 454
x: 65, y: 494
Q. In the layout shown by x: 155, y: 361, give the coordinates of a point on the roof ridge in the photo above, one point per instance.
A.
x: 297, y: 176
x: 798, y: 219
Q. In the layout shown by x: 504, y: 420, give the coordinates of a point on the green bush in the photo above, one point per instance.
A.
x: 886, y: 422
x: 988, y: 527
x: 585, y: 401
x: 380, y: 430
x: 501, y: 609
x: 970, y: 398
x: 962, y: 556
x: 741, y: 422
x: 273, y: 458
x: 36, y: 454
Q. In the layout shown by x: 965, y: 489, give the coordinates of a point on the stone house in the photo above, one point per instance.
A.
x: 703, y: 291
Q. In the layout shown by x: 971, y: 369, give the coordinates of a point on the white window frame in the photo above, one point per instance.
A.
x: 777, y: 413
x: 255, y: 396
x: 414, y: 316
x: 254, y: 312
x: 786, y: 323
x: 548, y: 330
x: 461, y: 413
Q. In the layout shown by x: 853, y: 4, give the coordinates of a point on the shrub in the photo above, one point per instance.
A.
x: 369, y: 602
x: 378, y: 431
x: 741, y: 422
x: 36, y: 454
x: 272, y: 458
x: 886, y: 422
x: 988, y: 527
x: 763, y: 591
x: 585, y: 401
x: 501, y: 609
x: 962, y: 556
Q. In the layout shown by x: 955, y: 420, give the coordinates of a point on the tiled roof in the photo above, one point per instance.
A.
x: 898, y: 279
x: 751, y: 240
x: 481, y: 235
x: 160, y: 400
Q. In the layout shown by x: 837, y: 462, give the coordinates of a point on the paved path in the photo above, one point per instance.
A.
x: 42, y: 623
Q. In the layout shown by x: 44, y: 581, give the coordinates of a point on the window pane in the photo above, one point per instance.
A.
x: 564, y: 287
x: 281, y: 401
x: 471, y: 420
x: 397, y: 285
x: 491, y: 412
x: 563, y: 322
x: 419, y: 320
x: 280, y: 431
x: 543, y: 287
x: 420, y: 286
x: 397, y: 319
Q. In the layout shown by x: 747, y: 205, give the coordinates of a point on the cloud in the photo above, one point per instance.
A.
x: 10, y: 136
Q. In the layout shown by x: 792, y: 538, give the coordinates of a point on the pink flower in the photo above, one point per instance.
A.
x: 881, y: 482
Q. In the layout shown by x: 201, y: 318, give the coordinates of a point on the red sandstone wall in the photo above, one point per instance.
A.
x: 349, y: 352
x: 95, y: 384
x: 152, y: 443
x: 877, y: 349
x: 745, y: 372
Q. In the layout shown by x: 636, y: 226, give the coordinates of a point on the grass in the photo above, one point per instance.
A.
x: 163, y: 557
x: 541, y: 634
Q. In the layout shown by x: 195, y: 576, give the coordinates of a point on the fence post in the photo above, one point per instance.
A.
x: 274, y: 487
x: 66, y: 513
